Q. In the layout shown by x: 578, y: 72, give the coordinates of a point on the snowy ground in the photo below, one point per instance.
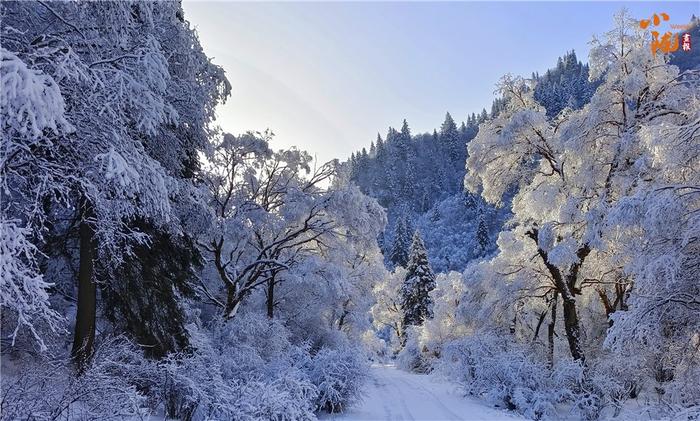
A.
x: 393, y: 394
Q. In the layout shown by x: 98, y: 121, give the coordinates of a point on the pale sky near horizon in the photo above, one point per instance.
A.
x: 328, y: 76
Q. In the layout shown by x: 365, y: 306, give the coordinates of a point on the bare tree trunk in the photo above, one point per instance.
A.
x: 540, y: 320
x: 271, y: 297
x: 609, y: 308
x: 550, y: 331
x: 341, y: 321
x: 233, y: 301
x: 84, y: 335
x: 566, y: 286
x: 571, y: 320
x: 618, y: 304
x: 572, y: 328
x: 346, y: 312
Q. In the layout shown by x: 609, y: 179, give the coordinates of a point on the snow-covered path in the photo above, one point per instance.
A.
x: 393, y: 394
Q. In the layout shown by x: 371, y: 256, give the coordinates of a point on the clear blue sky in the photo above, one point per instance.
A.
x: 328, y: 76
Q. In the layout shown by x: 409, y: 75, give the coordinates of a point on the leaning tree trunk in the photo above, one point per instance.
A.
x: 571, y: 320
x: 233, y: 302
x: 550, y: 332
x: 84, y: 335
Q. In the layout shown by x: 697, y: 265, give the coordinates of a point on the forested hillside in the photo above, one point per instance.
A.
x: 418, y: 178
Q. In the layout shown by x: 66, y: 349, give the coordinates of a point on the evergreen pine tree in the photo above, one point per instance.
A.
x: 391, y: 135
x: 380, y: 147
x: 405, y: 130
x: 416, y: 303
x: 408, y: 237
x: 454, y: 151
x: 146, y: 301
x: 482, y: 233
x: 399, y: 249
x: 449, y: 134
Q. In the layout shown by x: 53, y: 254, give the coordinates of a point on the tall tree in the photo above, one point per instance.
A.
x: 399, y: 254
x: 269, y: 213
x: 135, y: 95
x: 416, y: 303
x: 449, y: 138
x: 482, y: 232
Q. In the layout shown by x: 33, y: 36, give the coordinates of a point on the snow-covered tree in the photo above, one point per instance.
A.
x: 656, y: 221
x: 399, y: 254
x: 482, y: 233
x: 416, y: 304
x: 96, y: 127
x: 387, y: 315
x: 447, y: 323
x: 268, y: 216
x: 33, y: 116
x: 450, y: 138
x: 573, y: 170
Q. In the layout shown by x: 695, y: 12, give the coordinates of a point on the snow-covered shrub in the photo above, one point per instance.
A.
x: 328, y: 378
x: 682, y: 392
x: 339, y: 375
x: 512, y: 376
x: 243, y: 369
x: 577, y: 389
x: 502, y: 372
x: 287, y: 398
x: 261, y: 345
x: 113, y: 386
x: 194, y: 389
x: 617, y: 379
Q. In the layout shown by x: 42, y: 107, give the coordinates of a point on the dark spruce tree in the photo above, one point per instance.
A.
x: 482, y: 234
x: 450, y: 139
x: 400, y: 247
x: 416, y: 303
x: 146, y: 302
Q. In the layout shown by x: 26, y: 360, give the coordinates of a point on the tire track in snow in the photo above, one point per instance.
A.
x: 435, y: 400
